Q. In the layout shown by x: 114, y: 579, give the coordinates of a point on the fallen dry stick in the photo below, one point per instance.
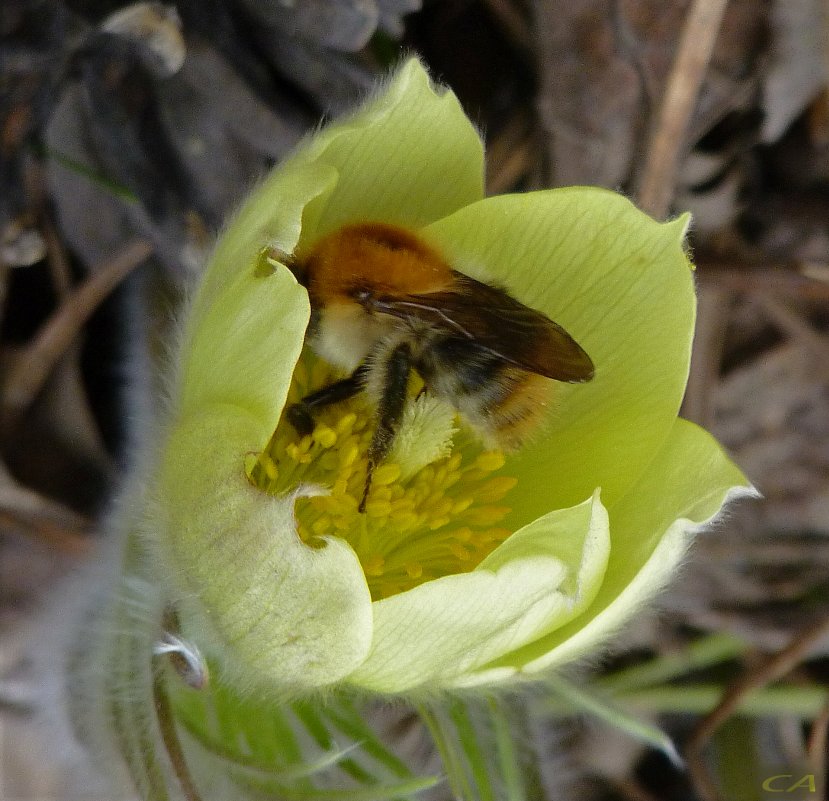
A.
x: 771, y: 670
x: 41, y: 518
x: 695, y: 47
x: 816, y: 750
x: 33, y: 366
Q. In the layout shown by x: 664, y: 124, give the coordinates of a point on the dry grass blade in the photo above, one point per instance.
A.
x: 36, y: 362
x: 793, y: 324
x: 788, y: 279
x: 513, y: 23
x: 771, y: 670
x: 41, y: 518
x: 707, y: 353
x: 816, y: 749
x: 695, y: 47
x: 56, y: 257
x: 510, y: 156
x: 631, y: 790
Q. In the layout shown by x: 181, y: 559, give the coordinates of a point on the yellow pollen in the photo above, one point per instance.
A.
x: 436, y: 522
x: 346, y: 423
x: 378, y: 508
x: 373, y: 565
x: 414, y: 570
x: 349, y: 454
x: 489, y: 461
x: 324, y: 436
x: 385, y: 474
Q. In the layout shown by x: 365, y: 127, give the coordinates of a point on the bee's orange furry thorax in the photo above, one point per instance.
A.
x: 384, y: 258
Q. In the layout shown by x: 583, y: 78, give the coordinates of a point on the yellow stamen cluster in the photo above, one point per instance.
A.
x: 440, y: 521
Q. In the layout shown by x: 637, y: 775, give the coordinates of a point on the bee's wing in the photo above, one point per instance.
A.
x: 496, y: 323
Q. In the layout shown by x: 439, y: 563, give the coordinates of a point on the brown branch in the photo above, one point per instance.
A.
x: 631, y: 790
x: 56, y: 257
x: 790, y: 279
x: 33, y: 367
x: 816, y: 749
x: 695, y: 47
x: 771, y: 670
x: 509, y: 156
x: 793, y: 324
x: 707, y: 353
x: 41, y: 518
x: 512, y: 23
x: 169, y: 735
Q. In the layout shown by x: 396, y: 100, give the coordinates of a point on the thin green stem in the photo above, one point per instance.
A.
x: 471, y: 745
x: 586, y: 701
x: 802, y: 702
x: 455, y: 768
x: 507, y: 755
x: 315, y: 725
x: 348, y: 720
x: 704, y: 653
x: 95, y: 176
x: 127, y: 685
x: 169, y: 735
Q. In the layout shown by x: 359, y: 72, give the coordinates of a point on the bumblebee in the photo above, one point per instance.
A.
x: 385, y: 302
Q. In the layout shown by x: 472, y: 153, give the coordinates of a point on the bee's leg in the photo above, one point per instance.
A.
x: 300, y: 414
x: 395, y: 377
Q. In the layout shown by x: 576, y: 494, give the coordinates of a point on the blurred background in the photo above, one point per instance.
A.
x: 129, y: 131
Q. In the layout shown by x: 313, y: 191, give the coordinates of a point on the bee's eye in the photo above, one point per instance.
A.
x: 362, y: 296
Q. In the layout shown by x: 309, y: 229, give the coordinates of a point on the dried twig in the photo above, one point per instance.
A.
x: 793, y: 324
x: 695, y: 47
x: 513, y: 24
x: 56, y: 257
x: 34, y: 365
x: 631, y: 790
x: 44, y: 519
x: 169, y: 735
x: 709, y: 338
x: 816, y: 749
x: 510, y: 156
x: 771, y: 670
x: 790, y: 279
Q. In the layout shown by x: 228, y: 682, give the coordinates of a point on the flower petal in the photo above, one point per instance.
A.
x: 271, y: 610
x: 583, y: 549
x: 621, y: 285
x: 248, y: 343
x: 244, y: 331
x: 409, y: 156
x: 683, y: 488
x: 441, y: 631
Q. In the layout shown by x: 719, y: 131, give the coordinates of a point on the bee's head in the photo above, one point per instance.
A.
x: 364, y: 296
x: 363, y: 261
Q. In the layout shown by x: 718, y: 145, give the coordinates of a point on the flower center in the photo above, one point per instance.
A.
x: 439, y: 519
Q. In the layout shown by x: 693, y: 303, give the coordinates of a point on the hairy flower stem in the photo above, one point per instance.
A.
x: 169, y: 735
